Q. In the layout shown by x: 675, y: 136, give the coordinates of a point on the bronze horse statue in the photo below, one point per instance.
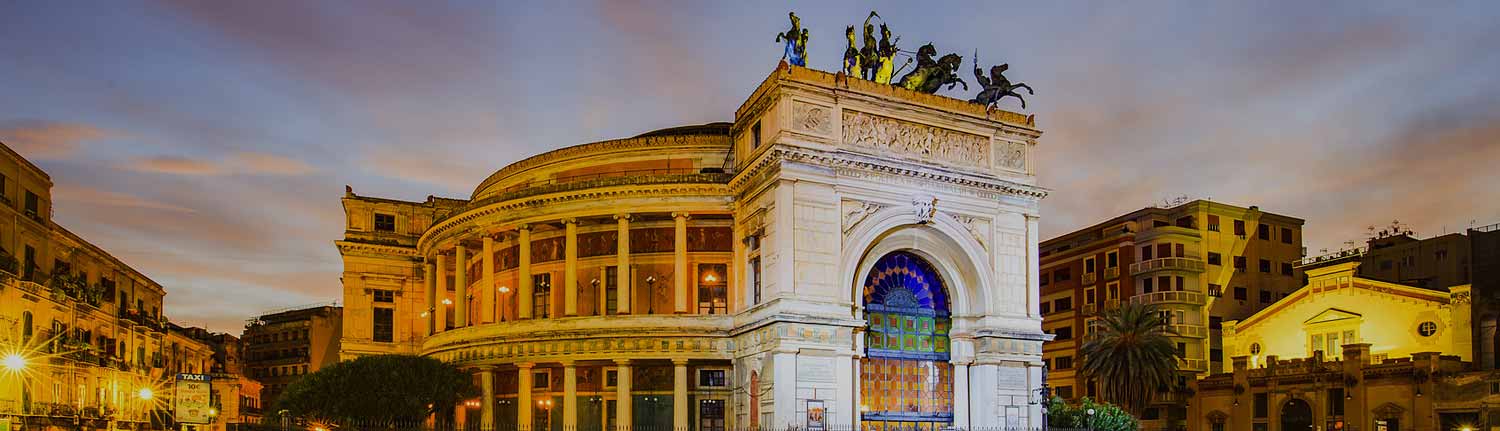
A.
x: 996, y: 86
x: 931, y: 75
x: 795, y: 51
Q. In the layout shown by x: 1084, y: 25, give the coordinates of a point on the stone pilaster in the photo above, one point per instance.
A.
x: 523, y: 274
x: 680, y: 263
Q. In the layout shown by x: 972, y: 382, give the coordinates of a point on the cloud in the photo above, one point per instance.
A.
x: 244, y: 163
x: 47, y: 140
x: 93, y: 196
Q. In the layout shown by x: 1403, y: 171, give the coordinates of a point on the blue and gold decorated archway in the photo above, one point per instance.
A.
x: 906, y: 381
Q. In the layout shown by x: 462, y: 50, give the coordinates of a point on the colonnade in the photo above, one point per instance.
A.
x: 570, y: 410
x: 437, y: 280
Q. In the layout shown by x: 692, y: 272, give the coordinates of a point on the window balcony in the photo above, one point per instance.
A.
x: 1167, y: 263
x: 1192, y: 364
x: 1090, y: 309
x: 1190, y: 331
x: 1170, y: 297
x: 1090, y: 278
x: 1111, y: 273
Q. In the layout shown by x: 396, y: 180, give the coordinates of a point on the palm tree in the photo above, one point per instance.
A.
x: 1130, y: 355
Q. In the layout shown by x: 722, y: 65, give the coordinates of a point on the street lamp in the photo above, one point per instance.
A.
x: 1091, y: 418
x: 145, y: 394
x: 14, y: 362
x: 503, y: 290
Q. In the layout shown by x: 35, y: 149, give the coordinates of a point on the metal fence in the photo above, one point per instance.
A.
x: 386, y: 425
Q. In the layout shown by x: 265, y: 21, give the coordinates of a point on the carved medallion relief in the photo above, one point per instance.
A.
x: 808, y: 117
x: 1013, y: 155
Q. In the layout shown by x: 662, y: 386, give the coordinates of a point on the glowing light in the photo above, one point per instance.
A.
x: 1466, y: 428
x: 447, y: 301
x: 213, y: 412
x: 424, y: 314
x: 145, y: 393
x: 504, y: 289
x: 14, y: 362
x: 710, y: 278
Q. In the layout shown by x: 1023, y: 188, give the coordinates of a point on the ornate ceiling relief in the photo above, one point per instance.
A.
x: 811, y: 118
x: 856, y: 211
x: 1013, y: 155
x: 914, y: 140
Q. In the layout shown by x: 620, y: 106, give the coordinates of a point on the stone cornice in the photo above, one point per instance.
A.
x: 441, y: 229
x: 374, y: 250
x: 848, y: 163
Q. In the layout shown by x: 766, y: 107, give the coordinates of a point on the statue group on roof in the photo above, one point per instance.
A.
x: 874, y: 60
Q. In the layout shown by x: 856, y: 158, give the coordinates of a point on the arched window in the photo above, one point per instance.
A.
x: 906, y: 379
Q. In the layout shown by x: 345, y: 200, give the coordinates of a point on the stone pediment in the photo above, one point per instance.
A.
x: 1332, y: 315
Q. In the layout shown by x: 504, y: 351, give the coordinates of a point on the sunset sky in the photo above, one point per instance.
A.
x: 207, y: 143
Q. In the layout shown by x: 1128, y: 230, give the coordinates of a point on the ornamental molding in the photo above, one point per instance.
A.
x: 604, y: 147
x: 439, y: 231
x: 906, y: 139
x: 857, y: 211
x: 755, y: 111
x: 374, y: 250
x: 976, y: 227
x: 551, y: 351
x: 855, y: 166
x: 1460, y: 298
x: 923, y: 207
x: 812, y: 118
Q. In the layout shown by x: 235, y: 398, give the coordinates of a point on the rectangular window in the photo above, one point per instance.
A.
x: 1215, y: 322
x: 1146, y: 285
x: 541, y: 296
x: 1065, y: 392
x: 1336, y: 402
x: 713, y: 288
x: 1240, y: 263
x: 1215, y: 290
x: 1239, y: 228
x: 384, y: 295
x: 1112, y: 291
x: 1216, y: 355
x: 33, y: 204
x: 1164, y: 283
x: 541, y: 379
x: 385, y: 222
x: 28, y: 271
x: 1265, y: 266
x: 1088, y: 266
x: 1088, y: 295
x: 383, y: 327
x: 1241, y: 293
x: 1286, y: 235
x: 1265, y: 297
x: 755, y: 135
x: 1260, y: 406
x: 1213, y: 223
x: 611, y: 290
x: 1164, y: 250
x: 711, y: 415
x: 1146, y: 253
x: 1263, y: 232
x: 1063, y: 362
x: 1046, y: 307
x: 1064, y: 304
x: 755, y: 280
x: 1182, y: 350
x: 1286, y: 268
x: 1181, y: 250
x: 711, y: 379
x: 1062, y: 275
x: 1112, y: 259
x: 1063, y: 333
x: 1045, y: 279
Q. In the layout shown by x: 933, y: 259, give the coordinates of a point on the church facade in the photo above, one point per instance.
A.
x: 843, y: 253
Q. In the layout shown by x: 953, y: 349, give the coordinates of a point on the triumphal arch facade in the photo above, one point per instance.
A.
x: 844, y: 253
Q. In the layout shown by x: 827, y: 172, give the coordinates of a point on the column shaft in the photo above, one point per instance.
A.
x: 441, y: 314
x: 570, y: 267
x: 622, y: 265
x: 487, y: 288
x: 570, y: 396
x: 961, y: 396
x: 523, y: 298
x: 679, y: 394
x: 680, y: 264
x: 460, y: 287
x: 623, y: 419
x: 429, y: 314
x: 487, y: 400
x: 523, y: 397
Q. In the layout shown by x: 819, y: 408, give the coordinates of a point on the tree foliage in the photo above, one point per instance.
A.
x: 1130, y: 355
x: 1107, y: 417
x: 382, y: 388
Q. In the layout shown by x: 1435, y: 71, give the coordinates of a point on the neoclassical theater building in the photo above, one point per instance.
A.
x: 843, y: 254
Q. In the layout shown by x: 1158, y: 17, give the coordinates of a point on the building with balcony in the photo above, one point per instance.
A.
x: 1201, y: 262
x: 282, y: 346
x: 842, y: 254
x: 1346, y: 353
x: 82, y: 332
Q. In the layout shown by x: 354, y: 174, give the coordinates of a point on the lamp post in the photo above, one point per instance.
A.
x: 1091, y: 419
x: 503, y: 290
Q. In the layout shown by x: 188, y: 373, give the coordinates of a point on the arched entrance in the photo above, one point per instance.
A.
x: 1296, y: 415
x: 906, y: 381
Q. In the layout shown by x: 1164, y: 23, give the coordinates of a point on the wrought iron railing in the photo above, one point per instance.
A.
x: 1177, y: 263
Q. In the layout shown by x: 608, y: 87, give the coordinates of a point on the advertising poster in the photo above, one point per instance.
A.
x: 191, y: 399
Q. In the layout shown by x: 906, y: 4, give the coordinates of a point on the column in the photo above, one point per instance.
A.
x: 570, y: 395
x: 622, y: 265
x: 961, y: 395
x: 429, y: 315
x: 460, y: 286
x: 570, y: 267
x: 487, y: 398
x: 523, y: 297
x: 441, y: 314
x: 679, y: 394
x: 487, y: 288
x: 523, y: 396
x: 623, y: 419
x: 679, y: 263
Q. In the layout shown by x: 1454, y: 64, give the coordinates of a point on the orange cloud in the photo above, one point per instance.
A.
x: 244, y: 163
x: 87, y: 195
x: 46, y: 140
x: 175, y: 166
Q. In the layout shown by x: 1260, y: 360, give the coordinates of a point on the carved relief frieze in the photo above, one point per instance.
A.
x: 856, y: 211
x: 905, y: 139
x: 813, y: 118
x: 1013, y: 155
